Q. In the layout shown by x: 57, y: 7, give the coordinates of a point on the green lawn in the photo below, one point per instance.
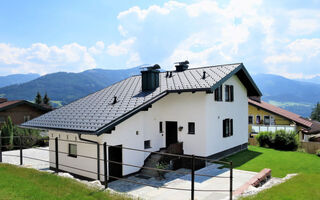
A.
x: 21, y: 183
x: 304, y: 186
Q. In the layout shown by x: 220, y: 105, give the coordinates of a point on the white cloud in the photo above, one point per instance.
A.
x: 98, y: 48
x: 41, y: 58
x: 122, y: 48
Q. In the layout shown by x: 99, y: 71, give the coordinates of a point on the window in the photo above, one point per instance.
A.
x: 147, y: 144
x: 266, y: 120
x: 227, y: 127
x: 73, y: 150
x: 258, y: 119
x: 26, y: 118
x: 160, y: 127
x: 250, y: 119
x: 191, y: 128
x: 2, y: 119
x: 218, y: 94
x: 229, y: 93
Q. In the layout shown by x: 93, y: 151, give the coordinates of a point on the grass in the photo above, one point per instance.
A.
x: 280, y: 162
x: 21, y: 183
x: 303, y: 186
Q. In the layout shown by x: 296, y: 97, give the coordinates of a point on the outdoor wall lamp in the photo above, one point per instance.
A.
x: 180, y: 128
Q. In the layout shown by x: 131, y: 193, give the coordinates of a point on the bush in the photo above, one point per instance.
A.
x: 7, y: 134
x: 30, y: 137
x: 285, y: 141
x: 279, y: 140
x: 265, y: 138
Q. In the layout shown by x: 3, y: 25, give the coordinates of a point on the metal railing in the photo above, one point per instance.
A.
x: 106, y: 163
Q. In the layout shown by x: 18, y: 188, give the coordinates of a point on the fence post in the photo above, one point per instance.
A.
x: 231, y: 178
x: 21, y: 155
x: 105, y: 165
x: 98, y: 161
x: 0, y: 147
x: 192, y: 177
x: 57, y: 155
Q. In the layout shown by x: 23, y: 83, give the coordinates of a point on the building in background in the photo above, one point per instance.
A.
x: 20, y: 111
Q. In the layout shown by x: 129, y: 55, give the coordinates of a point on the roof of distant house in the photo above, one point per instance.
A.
x: 314, y: 129
x: 96, y: 113
x: 11, y: 104
x: 282, y: 112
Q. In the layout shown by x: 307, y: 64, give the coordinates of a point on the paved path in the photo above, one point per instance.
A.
x: 183, y: 181
x: 41, y: 153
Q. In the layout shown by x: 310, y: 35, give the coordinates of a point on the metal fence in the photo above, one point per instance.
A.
x: 106, y: 162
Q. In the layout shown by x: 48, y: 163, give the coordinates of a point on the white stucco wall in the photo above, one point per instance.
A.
x: 198, y: 107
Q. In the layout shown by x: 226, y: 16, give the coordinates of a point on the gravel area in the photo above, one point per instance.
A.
x: 41, y: 153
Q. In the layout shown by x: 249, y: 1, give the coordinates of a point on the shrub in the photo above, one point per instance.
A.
x: 318, y: 152
x: 30, y: 137
x: 285, y: 141
x: 7, y: 133
x: 265, y: 138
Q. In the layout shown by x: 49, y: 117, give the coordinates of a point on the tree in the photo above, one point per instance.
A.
x: 315, y: 114
x: 7, y: 133
x: 38, y: 99
x: 46, y: 100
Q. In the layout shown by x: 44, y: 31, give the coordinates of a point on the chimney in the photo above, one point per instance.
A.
x: 150, y: 78
x: 2, y: 100
x: 181, y: 66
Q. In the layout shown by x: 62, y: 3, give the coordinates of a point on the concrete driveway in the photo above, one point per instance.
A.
x: 175, y: 181
x: 40, y: 153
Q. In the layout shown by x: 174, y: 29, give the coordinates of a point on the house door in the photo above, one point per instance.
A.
x: 115, y: 169
x: 171, y: 133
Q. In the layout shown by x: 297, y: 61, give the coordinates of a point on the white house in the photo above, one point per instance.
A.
x: 205, y: 108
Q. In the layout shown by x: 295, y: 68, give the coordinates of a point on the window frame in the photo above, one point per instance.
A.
x: 227, y: 127
x: 147, y: 144
x: 26, y: 118
x: 72, y: 154
x: 4, y: 119
x: 218, y: 94
x: 251, y: 119
x: 229, y: 93
x: 160, y: 127
x: 191, y: 132
x: 256, y: 121
x: 264, y: 120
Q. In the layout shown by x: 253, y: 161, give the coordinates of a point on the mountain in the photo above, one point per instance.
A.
x: 315, y: 79
x: 17, y: 79
x: 63, y: 87
x: 296, y: 96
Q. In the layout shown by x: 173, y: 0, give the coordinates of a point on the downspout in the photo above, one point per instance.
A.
x: 98, y: 153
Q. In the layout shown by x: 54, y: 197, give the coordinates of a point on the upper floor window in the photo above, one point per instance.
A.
x: 191, y: 128
x: 250, y: 119
x: 26, y: 118
x: 218, y: 93
x: 258, y: 119
x: 227, y: 127
x: 229, y: 93
x: 266, y: 120
x: 2, y: 119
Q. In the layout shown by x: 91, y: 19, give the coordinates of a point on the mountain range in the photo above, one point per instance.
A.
x: 17, y: 79
x: 62, y: 87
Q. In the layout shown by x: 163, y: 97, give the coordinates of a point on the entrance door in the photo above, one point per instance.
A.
x: 171, y: 133
x: 115, y: 169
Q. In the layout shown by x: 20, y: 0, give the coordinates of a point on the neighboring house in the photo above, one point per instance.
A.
x: 313, y: 133
x: 204, y: 108
x: 20, y: 111
x: 266, y: 117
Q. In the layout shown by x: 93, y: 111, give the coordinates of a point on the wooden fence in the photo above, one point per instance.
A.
x: 310, y: 147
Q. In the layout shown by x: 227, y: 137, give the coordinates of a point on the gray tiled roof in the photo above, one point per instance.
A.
x: 96, y: 111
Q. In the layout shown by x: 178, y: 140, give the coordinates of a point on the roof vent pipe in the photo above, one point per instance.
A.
x: 114, y: 100
x: 167, y: 74
x: 204, y: 75
x: 170, y: 75
x: 181, y: 66
x: 150, y: 78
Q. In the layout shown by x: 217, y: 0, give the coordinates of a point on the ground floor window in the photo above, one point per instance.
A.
x: 191, y: 128
x: 258, y: 119
x: 26, y: 118
x: 266, y: 120
x: 147, y: 144
x: 227, y: 127
x: 73, y: 150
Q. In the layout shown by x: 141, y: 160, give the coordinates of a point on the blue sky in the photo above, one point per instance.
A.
x: 278, y: 37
